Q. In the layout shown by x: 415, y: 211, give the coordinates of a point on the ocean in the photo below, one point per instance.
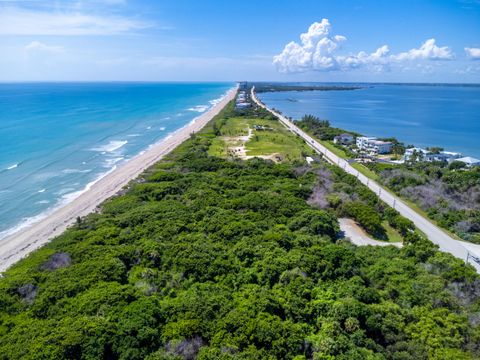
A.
x: 57, y: 139
x: 423, y: 115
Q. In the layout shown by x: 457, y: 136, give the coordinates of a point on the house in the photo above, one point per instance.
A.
x: 413, y: 152
x: 469, y: 161
x: 442, y: 156
x: 309, y: 160
x: 343, y: 139
x: 243, y: 105
x: 373, y: 145
x: 425, y: 155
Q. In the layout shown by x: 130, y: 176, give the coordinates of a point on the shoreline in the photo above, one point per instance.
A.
x: 434, y: 233
x: 444, y: 143
x: 16, y: 246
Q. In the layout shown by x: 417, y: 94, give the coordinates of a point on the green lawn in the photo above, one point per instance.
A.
x: 237, y: 126
x: 275, y: 141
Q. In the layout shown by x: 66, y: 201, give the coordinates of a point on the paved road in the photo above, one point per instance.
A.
x: 445, y: 242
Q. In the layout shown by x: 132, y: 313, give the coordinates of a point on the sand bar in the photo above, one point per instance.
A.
x: 21, y: 243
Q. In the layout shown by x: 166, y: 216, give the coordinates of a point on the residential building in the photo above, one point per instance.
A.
x: 469, y: 161
x: 425, y: 155
x: 343, y: 139
x: 373, y: 145
x: 415, y: 153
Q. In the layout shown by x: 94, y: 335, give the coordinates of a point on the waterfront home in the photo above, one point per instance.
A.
x: 373, y: 145
x: 419, y: 154
x: 243, y: 105
x: 469, y: 161
x: 415, y: 153
x: 343, y: 139
x: 443, y: 156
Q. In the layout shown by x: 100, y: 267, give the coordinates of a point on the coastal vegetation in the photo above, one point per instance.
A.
x: 208, y: 256
x: 275, y: 87
x: 448, y: 194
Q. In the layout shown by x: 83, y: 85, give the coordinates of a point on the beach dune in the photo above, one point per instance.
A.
x: 21, y: 243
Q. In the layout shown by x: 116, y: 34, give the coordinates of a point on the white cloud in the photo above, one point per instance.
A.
x: 320, y: 50
x: 39, y: 46
x: 428, y: 51
x: 19, y: 21
x: 473, y: 53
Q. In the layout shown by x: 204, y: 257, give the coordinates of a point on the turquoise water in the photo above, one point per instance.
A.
x: 440, y: 115
x: 57, y: 138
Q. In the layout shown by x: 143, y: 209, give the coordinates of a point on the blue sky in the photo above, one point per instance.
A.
x: 191, y: 40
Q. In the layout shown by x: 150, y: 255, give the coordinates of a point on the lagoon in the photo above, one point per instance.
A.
x: 423, y: 115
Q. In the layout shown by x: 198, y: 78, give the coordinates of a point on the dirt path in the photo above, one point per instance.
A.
x: 435, y: 234
x: 358, y: 236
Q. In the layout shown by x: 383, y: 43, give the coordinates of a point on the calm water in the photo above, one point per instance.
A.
x: 445, y: 116
x: 56, y: 139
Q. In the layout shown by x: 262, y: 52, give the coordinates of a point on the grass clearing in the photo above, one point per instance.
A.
x: 392, y: 234
x: 274, y: 141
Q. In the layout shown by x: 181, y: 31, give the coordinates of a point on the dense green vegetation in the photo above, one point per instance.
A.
x: 321, y: 129
x: 213, y: 258
x: 274, y: 87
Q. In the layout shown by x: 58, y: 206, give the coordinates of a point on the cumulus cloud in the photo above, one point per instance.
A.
x: 473, y: 53
x: 428, y: 51
x: 39, y: 46
x: 320, y: 50
x: 22, y: 21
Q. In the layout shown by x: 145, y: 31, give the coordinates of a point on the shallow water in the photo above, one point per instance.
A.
x: 440, y: 115
x: 58, y: 138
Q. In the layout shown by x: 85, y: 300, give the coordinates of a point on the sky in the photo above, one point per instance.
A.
x: 262, y: 40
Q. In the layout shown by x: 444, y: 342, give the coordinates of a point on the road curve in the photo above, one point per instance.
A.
x: 436, y: 235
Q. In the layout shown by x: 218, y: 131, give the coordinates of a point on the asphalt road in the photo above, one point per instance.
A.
x: 436, y: 235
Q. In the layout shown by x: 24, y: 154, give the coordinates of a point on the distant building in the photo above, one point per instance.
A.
x: 243, y: 105
x: 469, y: 161
x: 442, y: 156
x: 241, y: 101
x: 425, y: 155
x: 373, y: 145
x: 343, y: 139
x: 413, y: 152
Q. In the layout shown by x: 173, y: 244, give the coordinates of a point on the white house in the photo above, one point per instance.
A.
x: 419, y: 152
x: 425, y: 155
x: 343, y: 139
x: 470, y: 161
x: 443, y: 156
x: 373, y: 145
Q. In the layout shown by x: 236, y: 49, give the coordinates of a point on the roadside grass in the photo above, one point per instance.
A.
x: 365, y: 171
x: 392, y: 234
x: 334, y: 149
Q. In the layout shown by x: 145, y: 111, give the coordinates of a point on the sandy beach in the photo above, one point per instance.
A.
x: 20, y: 244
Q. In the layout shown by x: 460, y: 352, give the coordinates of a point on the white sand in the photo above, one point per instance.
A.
x: 20, y: 244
